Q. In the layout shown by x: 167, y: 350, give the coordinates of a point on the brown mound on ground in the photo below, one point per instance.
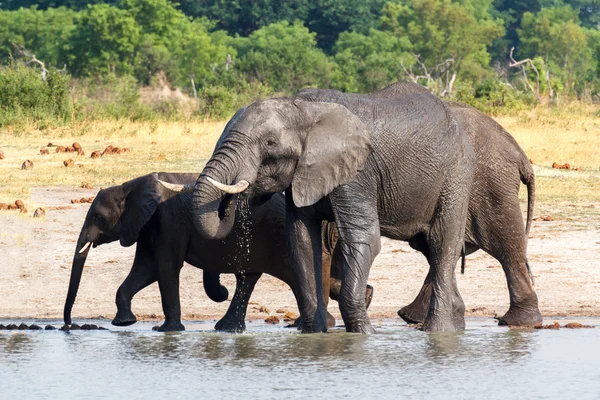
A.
x: 27, y: 164
x: 555, y: 325
x: 576, y: 325
x: 44, y: 152
x: 69, y: 162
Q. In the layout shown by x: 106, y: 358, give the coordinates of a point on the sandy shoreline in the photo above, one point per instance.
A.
x: 36, y: 257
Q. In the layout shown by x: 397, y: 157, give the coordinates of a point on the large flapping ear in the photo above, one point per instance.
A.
x: 142, y: 196
x: 335, y: 149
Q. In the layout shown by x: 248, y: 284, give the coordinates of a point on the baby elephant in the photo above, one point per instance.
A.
x: 159, y: 220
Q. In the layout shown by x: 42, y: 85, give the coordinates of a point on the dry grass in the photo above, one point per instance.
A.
x: 567, y: 135
x: 563, y: 135
x: 176, y: 147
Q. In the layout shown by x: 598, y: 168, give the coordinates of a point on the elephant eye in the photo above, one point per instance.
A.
x: 99, y: 219
x: 271, y: 142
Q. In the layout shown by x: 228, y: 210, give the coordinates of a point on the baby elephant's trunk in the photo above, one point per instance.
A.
x: 81, y: 252
x: 213, y: 288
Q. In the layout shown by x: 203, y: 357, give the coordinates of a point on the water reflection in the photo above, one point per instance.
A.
x: 16, y: 343
x: 512, y: 345
x: 270, y: 361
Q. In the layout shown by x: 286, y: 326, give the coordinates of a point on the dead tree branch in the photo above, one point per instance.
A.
x: 33, y: 59
x: 514, y: 64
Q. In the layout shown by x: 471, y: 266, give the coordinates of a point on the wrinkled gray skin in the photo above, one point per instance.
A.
x: 400, y: 167
x: 495, y: 222
x: 159, y: 220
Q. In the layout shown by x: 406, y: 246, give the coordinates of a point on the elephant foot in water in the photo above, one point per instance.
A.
x: 124, y: 318
x: 413, y: 313
x: 233, y: 325
x: 298, y: 322
x: 527, y: 313
x: 416, y: 312
x: 171, y: 326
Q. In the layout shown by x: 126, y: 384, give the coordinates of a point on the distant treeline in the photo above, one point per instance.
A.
x: 491, y: 53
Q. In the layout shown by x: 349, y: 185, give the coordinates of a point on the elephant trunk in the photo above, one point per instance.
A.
x: 81, y: 252
x: 213, y: 288
x: 215, y: 195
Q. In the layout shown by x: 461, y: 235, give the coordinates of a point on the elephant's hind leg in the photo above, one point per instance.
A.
x: 233, y: 320
x: 510, y: 248
x: 445, y: 241
x: 524, y: 309
x: 416, y: 311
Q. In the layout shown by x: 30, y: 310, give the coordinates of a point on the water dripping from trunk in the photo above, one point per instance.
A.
x: 243, y: 234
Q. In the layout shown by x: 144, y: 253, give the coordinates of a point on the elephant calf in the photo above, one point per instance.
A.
x: 159, y: 220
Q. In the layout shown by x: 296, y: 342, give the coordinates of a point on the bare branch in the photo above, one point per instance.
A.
x: 33, y: 59
x: 194, y: 87
x: 228, y: 62
x: 514, y: 63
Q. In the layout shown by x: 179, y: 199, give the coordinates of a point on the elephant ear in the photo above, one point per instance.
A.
x: 335, y: 149
x: 142, y: 196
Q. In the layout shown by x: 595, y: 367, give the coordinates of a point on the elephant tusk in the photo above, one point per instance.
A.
x: 231, y: 189
x: 177, y: 188
x: 85, y: 247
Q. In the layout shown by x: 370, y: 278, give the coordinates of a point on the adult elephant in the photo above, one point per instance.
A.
x: 148, y: 212
x: 401, y: 167
x: 494, y: 223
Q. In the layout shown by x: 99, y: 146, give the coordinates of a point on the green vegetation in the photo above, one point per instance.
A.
x: 495, y: 54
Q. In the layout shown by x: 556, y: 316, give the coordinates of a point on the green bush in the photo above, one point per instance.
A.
x: 220, y: 102
x: 493, y: 97
x: 25, y: 96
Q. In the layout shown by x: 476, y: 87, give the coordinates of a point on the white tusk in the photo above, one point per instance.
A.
x: 84, y: 248
x: 177, y: 188
x: 231, y: 189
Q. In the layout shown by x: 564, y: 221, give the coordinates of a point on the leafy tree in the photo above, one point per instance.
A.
x: 284, y: 55
x: 45, y: 33
x: 104, y: 41
x: 555, y: 35
x: 448, y: 39
x: 45, y: 4
x: 245, y: 16
x: 369, y: 62
x: 329, y: 18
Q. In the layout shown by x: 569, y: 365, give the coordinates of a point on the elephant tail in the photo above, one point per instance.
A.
x: 528, y: 179
x: 463, y: 259
x: 213, y: 288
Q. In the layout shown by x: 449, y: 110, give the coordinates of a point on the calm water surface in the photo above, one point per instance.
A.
x: 485, y: 361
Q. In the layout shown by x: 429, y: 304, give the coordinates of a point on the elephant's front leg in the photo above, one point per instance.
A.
x: 446, y: 307
x: 357, y: 219
x: 304, y: 242
x: 143, y: 273
x: 233, y: 320
x: 357, y: 257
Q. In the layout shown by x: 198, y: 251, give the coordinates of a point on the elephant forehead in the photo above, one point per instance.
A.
x: 271, y: 114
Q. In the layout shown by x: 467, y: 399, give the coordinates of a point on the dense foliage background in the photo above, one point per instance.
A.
x: 491, y: 53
